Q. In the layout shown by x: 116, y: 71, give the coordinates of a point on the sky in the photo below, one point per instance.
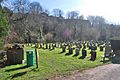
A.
x: 109, y: 9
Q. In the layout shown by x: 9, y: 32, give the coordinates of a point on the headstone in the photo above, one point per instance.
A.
x: 69, y: 46
x: 23, y: 45
x: 80, y: 46
x: 84, y: 53
x: 46, y: 46
x: 31, y: 44
x: 108, y: 51
x: 88, y: 45
x: 36, y: 45
x: 63, y: 48
x: 70, y: 51
x: 93, y: 47
x: 60, y: 45
x: 101, y: 48
x: 40, y: 45
x: 77, y: 52
x: 93, y: 55
x: 49, y: 46
x: 84, y: 46
x: 53, y: 46
x: 43, y: 44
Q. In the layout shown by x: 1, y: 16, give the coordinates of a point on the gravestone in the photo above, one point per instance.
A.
x: 84, y: 46
x: 60, y: 45
x: 57, y: 45
x: 49, y: 46
x: 70, y: 51
x: 46, y: 46
x: 108, y: 49
x: 101, y: 48
x: 43, y: 44
x: 40, y: 45
x: 80, y: 46
x: 88, y: 45
x: 23, y: 45
x: 53, y: 46
x: 69, y: 46
x: 36, y: 45
x: 63, y: 48
x: 31, y: 44
x: 77, y: 52
x: 84, y: 53
x: 108, y: 53
x: 93, y: 55
x: 93, y: 47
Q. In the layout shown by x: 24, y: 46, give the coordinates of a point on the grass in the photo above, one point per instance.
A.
x: 51, y: 63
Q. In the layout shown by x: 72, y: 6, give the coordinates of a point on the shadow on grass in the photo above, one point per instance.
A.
x: 82, y: 57
x: 21, y: 73
x: 61, y: 52
x: 105, y: 61
x: 75, y: 55
x: 68, y: 54
x: 18, y: 75
x: 23, y: 67
x: 50, y: 49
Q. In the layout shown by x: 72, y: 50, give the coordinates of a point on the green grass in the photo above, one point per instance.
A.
x: 51, y: 63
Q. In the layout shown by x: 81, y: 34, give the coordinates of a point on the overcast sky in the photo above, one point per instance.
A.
x: 110, y: 9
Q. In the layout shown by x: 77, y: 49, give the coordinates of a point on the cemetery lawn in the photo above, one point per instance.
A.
x: 51, y: 63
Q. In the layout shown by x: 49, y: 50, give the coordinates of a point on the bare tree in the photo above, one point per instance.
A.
x: 46, y: 11
x: 57, y: 12
x: 91, y: 19
x: 35, y: 8
x: 73, y: 15
x: 99, y: 23
x: 20, y: 6
x: 81, y: 17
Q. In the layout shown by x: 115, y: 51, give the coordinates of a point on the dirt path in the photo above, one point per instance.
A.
x: 106, y: 72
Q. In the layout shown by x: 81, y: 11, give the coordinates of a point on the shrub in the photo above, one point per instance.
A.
x: 3, y: 26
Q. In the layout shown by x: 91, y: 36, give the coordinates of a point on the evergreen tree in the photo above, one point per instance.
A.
x: 3, y: 25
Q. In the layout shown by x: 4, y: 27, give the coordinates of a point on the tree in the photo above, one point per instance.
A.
x: 99, y: 23
x: 91, y: 19
x: 58, y: 12
x: 3, y: 26
x: 35, y: 8
x: 81, y: 17
x: 46, y: 11
x: 20, y: 6
x: 72, y: 15
x: 49, y: 37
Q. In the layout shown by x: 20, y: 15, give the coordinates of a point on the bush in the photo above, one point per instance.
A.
x: 3, y: 26
x: 49, y: 37
x: 1, y: 43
